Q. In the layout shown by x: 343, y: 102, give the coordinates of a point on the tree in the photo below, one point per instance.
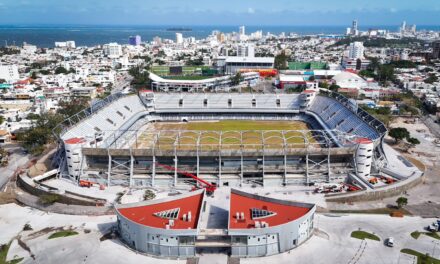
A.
x: 141, y: 76
x: 323, y: 85
x: 398, y: 133
x: 281, y: 61
x: 431, y: 79
x: 401, y: 202
x: 61, y: 70
x: 236, y: 79
x: 334, y: 87
x: 72, y: 107
x: 34, y: 75
x: 413, y: 141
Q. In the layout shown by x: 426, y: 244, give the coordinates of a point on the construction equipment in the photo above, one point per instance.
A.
x: 88, y: 184
x: 387, y: 180
x: 373, y: 180
x: 352, y: 188
x: 209, y: 187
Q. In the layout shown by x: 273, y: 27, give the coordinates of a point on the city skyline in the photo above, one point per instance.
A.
x: 197, y: 12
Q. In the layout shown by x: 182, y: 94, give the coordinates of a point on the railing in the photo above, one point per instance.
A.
x: 362, y: 114
x: 62, y: 128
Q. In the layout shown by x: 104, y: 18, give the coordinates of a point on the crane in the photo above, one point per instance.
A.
x: 209, y: 187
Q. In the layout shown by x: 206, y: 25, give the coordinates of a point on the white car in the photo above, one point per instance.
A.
x: 389, y: 242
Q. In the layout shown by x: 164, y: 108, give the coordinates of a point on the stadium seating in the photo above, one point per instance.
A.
x: 224, y: 101
x: 108, y: 119
x: 337, y: 116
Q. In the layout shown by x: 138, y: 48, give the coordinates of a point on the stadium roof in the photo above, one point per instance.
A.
x: 158, y: 213
x: 263, y: 209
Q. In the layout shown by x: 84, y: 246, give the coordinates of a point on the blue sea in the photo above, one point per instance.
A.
x: 45, y: 36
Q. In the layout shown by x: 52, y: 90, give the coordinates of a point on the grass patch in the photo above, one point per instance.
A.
x: 386, y: 211
x: 63, y: 234
x: 421, y: 258
x: 188, y: 78
x: 4, y: 253
x: 364, y: 235
x: 415, y: 234
x: 48, y: 199
x: 254, y: 134
x: 432, y: 234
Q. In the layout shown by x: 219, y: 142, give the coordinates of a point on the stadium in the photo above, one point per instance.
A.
x: 227, y: 143
x: 227, y: 139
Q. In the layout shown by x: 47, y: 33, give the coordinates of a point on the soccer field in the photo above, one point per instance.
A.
x: 233, y: 125
x: 230, y: 134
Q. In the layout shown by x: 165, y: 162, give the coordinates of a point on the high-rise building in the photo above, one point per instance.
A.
x: 9, y: 73
x: 242, y: 30
x: 245, y: 50
x: 355, y: 25
x: 436, y: 50
x: 135, y: 40
x: 112, y: 50
x: 356, y: 50
x: 179, y: 38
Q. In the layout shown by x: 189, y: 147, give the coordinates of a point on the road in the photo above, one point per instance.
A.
x: 17, y: 158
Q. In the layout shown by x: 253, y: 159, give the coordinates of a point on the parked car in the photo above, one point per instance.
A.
x: 389, y: 242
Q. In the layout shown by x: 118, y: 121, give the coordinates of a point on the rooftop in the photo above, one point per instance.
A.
x: 158, y: 213
x: 262, y: 209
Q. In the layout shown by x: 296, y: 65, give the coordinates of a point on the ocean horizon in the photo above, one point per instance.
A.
x: 91, y: 35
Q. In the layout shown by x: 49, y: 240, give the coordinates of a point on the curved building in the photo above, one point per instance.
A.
x: 257, y: 226
x: 164, y: 227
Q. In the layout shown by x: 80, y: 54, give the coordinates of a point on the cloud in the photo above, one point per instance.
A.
x: 251, y: 10
x: 393, y: 10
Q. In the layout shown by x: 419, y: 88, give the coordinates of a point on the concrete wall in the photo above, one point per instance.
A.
x: 376, y: 194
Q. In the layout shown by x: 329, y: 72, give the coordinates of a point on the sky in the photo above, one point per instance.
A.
x: 219, y: 12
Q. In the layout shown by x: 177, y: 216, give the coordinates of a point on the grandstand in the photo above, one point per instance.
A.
x: 277, y: 139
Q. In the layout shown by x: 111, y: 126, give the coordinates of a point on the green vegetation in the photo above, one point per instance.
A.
x: 188, y: 78
x: 398, y: 133
x: 141, y: 77
x: 48, y: 199
x: 364, y: 235
x: 61, y: 70
x: 238, y: 125
x: 401, y: 202
x: 281, y: 61
x: 431, y: 79
x: 382, y: 113
x: 195, y: 62
x: 434, y: 235
x: 380, y: 42
x: 403, y: 64
x: 236, y: 79
x: 421, y: 258
x: 40, y: 134
x: 65, y: 233
x: 413, y: 141
x: 4, y: 254
x: 415, y: 234
x: 148, y: 195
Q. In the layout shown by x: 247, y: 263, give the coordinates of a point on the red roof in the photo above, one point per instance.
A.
x: 145, y: 214
x: 73, y: 141
x: 363, y: 141
x: 284, y: 212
